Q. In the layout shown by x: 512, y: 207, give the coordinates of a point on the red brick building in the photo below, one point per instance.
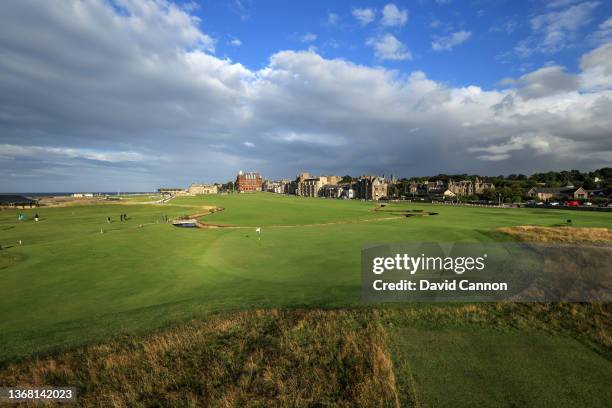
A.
x: 248, y: 182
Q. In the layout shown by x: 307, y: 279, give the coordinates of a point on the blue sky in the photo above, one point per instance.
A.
x: 495, y: 29
x: 131, y: 95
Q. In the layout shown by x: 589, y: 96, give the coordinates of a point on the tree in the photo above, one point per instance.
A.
x: 393, y: 191
x: 589, y: 184
x: 489, y: 195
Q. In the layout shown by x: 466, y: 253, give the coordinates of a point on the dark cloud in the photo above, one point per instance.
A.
x: 546, y: 81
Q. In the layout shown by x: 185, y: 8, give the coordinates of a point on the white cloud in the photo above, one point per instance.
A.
x: 606, y: 24
x: 332, y: 18
x: 600, y: 57
x: 560, y: 3
x: 364, y: 15
x: 323, y: 139
x: 308, y: 37
x: 447, y: 43
x: 603, y: 34
x: 249, y: 144
x: 507, y: 26
x: 392, y: 16
x: 48, y: 152
x: 596, y: 68
x: 236, y: 42
x: 388, y: 47
x: 555, y: 30
x: 536, y: 143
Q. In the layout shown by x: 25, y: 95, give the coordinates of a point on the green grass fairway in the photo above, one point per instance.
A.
x: 466, y: 367
x: 272, y: 210
x: 68, y: 284
x: 141, y: 198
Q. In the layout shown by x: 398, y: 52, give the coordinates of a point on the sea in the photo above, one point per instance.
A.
x: 67, y: 194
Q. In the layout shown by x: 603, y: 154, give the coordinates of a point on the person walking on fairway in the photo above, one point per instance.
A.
x: 108, y: 220
x: 36, y: 217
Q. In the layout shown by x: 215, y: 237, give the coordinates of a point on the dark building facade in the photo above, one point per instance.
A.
x: 14, y: 200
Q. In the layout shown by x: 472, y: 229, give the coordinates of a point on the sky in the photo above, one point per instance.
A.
x: 132, y: 95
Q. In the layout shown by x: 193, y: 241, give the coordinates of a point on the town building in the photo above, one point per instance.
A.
x: 450, y: 189
x: 559, y: 193
x: 197, y: 189
x: 469, y: 187
x: 426, y: 188
x: 248, y: 182
x: 307, y: 186
x: 347, y: 190
x: 299, y: 183
x: 171, y: 191
x: 310, y: 187
x: 331, y: 191
x: 277, y: 186
x: 372, y: 188
x: 347, y: 193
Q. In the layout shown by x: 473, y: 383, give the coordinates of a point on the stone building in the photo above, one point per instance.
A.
x: 469, y: 187
x: 277, y: 186
x: 171, y: 191
x: 561, y: 193
x: 307, y: 186
x: 348, y: 192
x: 372, y: 188
x: 331, y: 191
x: 300, y: 183
x: 248, y: 182
x: 197, y: 189
x: 310, y: 187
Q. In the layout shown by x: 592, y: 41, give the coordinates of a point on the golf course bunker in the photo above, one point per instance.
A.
x: 405, y: 213
x: 416, y: 213
x: 192, y: 221
x: 189, y: 223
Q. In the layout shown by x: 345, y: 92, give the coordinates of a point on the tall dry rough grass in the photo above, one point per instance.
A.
x: 248, y: 359
x: 558, y: 234
x: 590, y: 322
